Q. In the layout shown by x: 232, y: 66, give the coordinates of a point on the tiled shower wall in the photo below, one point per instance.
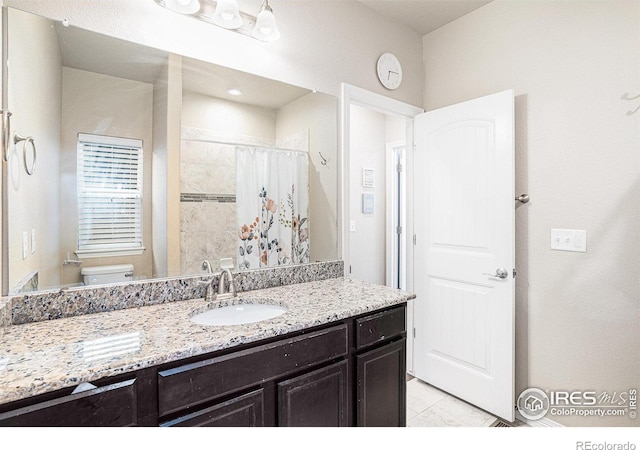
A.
x: 208, y: 225
x: 207, y: 204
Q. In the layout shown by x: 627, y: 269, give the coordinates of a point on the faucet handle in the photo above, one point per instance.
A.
x: 209, y: 296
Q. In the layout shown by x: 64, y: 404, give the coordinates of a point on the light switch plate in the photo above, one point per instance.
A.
x: 25, y: 244
x: 367, y: 203
x: 33, y: 241
x: 352, y: 226
x: 569, y: 240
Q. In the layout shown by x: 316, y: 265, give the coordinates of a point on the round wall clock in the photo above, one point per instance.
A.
x: 389, y: 71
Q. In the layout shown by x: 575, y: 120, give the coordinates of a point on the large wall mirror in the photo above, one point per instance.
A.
x: 156, y: 163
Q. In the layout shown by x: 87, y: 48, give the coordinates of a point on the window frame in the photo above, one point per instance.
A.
x: 98, y: 250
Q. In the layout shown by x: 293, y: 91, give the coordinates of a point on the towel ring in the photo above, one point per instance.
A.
x: 6, y: 133
x: 27, y: 140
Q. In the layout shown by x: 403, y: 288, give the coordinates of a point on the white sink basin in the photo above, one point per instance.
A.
x: 238, y: 314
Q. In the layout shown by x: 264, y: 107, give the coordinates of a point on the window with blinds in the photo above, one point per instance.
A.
x: 109, y: 196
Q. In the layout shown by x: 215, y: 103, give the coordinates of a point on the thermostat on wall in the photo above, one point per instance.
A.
x: 367, y: 178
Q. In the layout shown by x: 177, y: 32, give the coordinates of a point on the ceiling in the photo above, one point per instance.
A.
x: 424, y: 16
x: 93, y: 52
x: 90, y: 51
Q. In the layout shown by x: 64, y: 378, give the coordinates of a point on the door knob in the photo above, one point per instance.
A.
x: 501, y: 272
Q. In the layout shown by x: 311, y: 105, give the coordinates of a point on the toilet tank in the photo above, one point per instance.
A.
x: 107, y: 274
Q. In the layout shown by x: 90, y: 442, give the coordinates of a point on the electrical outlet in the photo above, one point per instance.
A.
x: 569, y: 240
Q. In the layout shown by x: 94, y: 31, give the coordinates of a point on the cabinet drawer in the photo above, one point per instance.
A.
x: 112, y: 405
x: 380, y: 326
x: 191, y: 384
x: 244, y: 411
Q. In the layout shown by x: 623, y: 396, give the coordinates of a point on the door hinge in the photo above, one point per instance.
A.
x: 414, y: 333
x: 514, y: 272
x: 399, y: 167
x: 415, y: 239
x: 349, y: 268
x: 399, y: 229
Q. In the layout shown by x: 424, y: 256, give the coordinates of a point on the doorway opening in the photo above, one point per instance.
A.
x: 396, y: 233
x: 360, y: 258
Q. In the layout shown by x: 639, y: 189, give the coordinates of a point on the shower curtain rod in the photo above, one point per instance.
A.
x: 239, y: 144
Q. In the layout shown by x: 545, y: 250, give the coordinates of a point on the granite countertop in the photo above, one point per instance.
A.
x: 45, y: 356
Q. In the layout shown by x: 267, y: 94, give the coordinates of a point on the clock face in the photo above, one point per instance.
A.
x: 389, y: 71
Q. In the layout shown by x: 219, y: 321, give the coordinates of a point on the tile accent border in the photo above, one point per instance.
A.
x: 70, y: 302
x: 220, y: 198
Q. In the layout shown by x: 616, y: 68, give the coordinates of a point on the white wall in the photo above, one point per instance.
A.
x: 223, y: 116
x: 367, y: 246
x: 99, y: 104
x: 317, y: 114
x: 577, y: 157
x: 35, y: 101
x: 323, y: 42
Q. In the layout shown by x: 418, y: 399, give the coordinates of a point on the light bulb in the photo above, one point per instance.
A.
x: 266, y: 28
x: 183, y: 6
x: 227, y: 14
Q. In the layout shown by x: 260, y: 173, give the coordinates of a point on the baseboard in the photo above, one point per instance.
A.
x: 544, y: 422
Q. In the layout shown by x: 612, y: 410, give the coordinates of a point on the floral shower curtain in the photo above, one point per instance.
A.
x: 272, y: 202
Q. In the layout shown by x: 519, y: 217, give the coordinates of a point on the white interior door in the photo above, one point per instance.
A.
x: 464, y: 226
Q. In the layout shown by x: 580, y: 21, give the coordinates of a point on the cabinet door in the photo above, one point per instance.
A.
x: 381, y: 376
x: 315, y: 399
x: 114, y: 405
x: 244, y: 411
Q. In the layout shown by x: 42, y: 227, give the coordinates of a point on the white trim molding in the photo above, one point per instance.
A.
x: 544, y: 422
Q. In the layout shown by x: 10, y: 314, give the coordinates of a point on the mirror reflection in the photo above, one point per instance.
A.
x: 152, y: 164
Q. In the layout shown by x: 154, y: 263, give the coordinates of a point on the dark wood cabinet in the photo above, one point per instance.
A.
x: 381, y: 368
x: 346, y: 373
x: 244, y: 411
x: 381, y: 380
x: 189, y: 385
x: 315, y: 399
x: 114, y: 405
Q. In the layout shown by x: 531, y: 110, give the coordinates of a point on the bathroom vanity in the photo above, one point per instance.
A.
x: 336, y: 358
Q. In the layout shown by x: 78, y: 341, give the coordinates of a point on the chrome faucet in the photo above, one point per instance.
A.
x: 226, y: 274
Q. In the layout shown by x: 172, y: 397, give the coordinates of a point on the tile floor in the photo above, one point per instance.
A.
x: 431, y: 407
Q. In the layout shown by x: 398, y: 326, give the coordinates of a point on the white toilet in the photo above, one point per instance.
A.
x: 107, y: 274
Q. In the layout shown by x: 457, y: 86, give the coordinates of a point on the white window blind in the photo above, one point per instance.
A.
x: 109, y: 196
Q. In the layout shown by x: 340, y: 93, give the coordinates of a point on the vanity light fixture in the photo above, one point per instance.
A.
x: 225, y: 14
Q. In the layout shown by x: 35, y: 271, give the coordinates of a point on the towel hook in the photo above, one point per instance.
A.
x: 626, y: 96
x: 324, y: 160
x: 27, y: 140
x: 523, y: 198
